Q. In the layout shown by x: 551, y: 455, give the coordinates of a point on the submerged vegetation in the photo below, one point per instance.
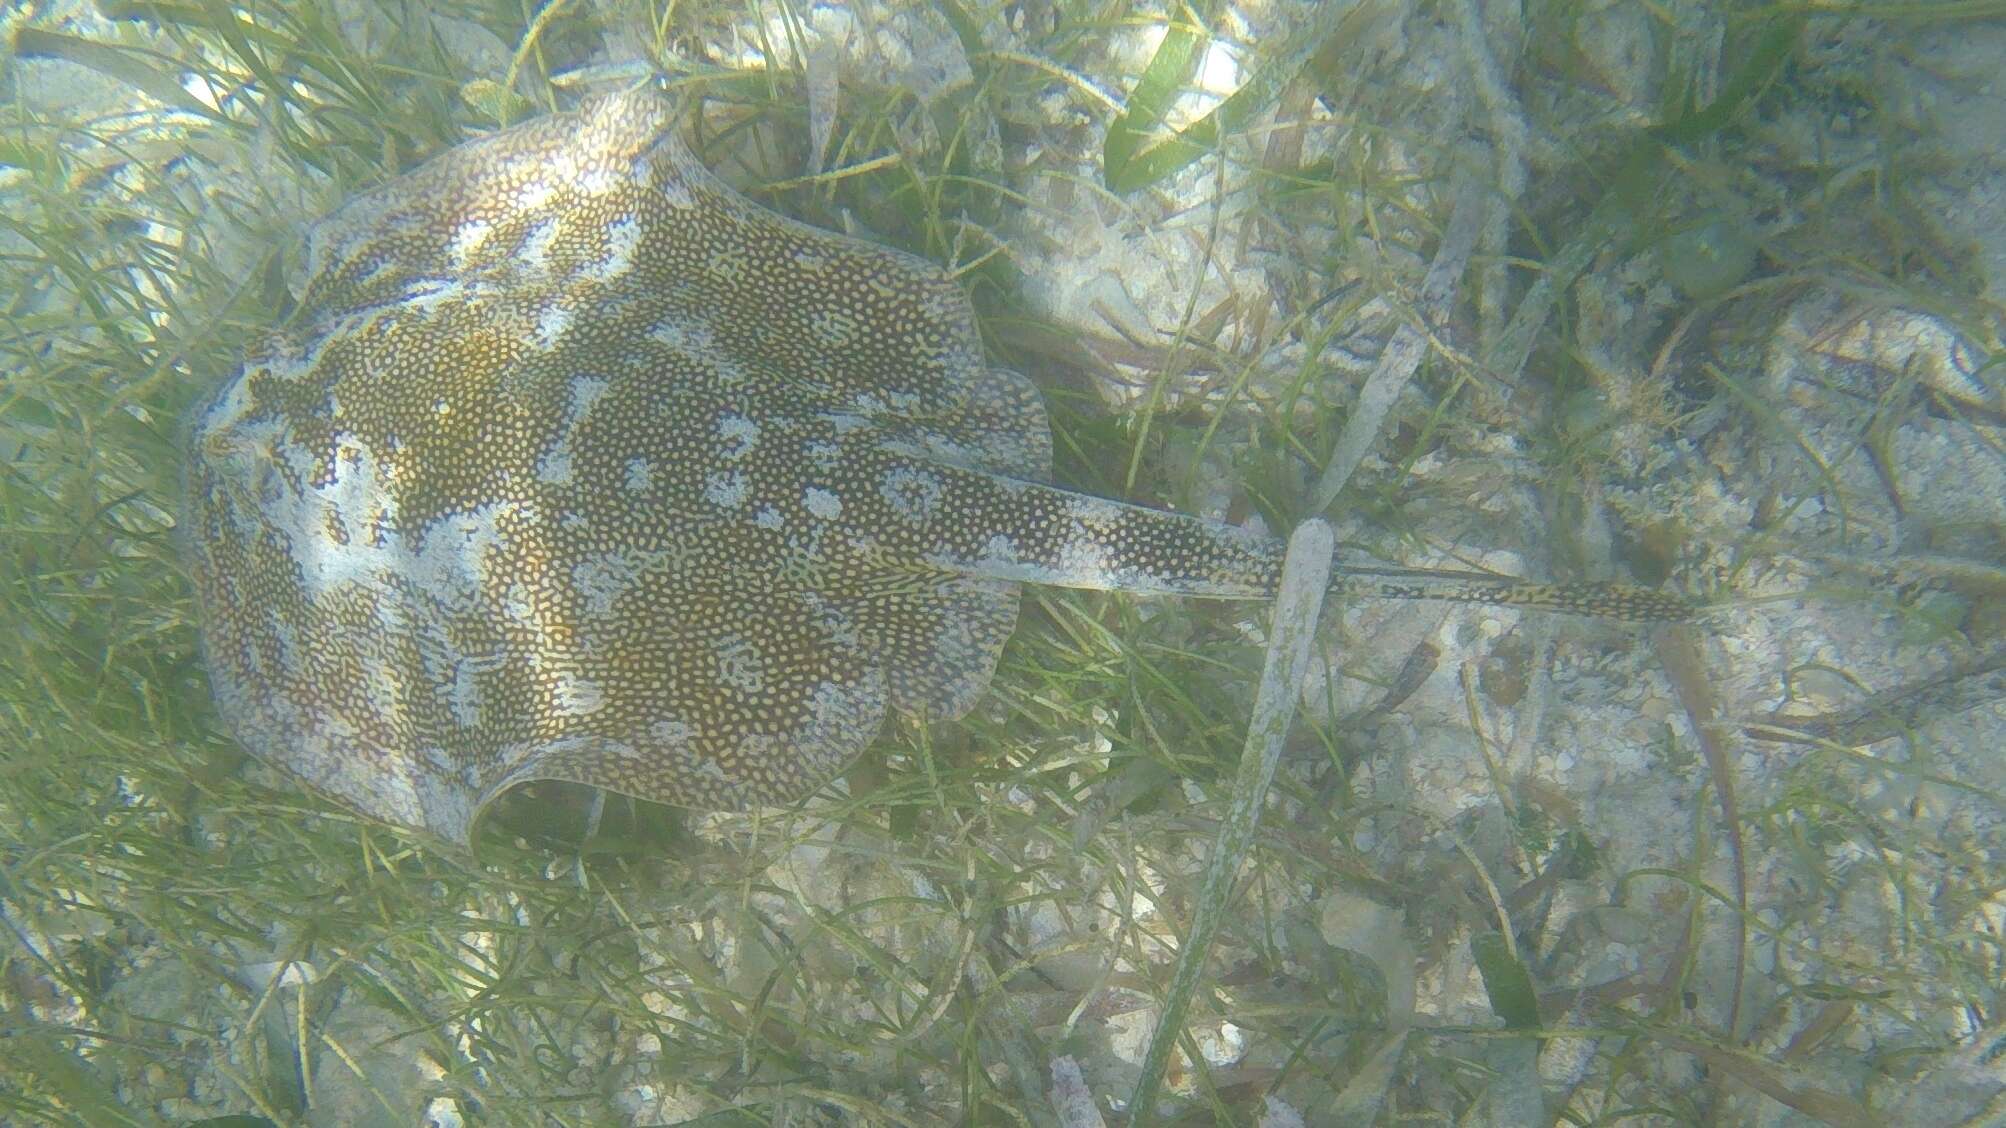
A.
x: 1713, y: 326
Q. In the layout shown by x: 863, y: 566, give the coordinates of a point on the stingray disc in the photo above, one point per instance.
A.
x: 576, y: 465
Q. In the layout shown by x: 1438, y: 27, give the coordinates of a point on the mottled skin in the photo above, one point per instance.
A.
x: 576, y: 465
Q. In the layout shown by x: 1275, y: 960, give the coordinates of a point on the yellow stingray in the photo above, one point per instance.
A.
x: 576, y: 465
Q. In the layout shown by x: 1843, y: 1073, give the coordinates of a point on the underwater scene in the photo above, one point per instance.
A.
x: 1030, y: 562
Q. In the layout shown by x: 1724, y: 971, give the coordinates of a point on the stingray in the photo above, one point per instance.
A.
x: 576, y: 465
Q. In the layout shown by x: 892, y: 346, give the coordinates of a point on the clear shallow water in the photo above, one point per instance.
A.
x: 849, y: 945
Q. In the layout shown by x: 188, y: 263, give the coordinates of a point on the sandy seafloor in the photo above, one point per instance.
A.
x: 1592, y: 726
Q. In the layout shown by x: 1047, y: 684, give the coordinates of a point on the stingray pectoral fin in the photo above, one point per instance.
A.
x: 999, y: 427
x: 718, y: 699
x: 470, y: 208
x: 937, y: 637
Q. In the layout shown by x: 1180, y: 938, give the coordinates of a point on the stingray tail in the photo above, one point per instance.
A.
x: 1603, y: 600
x: 1034, y: 533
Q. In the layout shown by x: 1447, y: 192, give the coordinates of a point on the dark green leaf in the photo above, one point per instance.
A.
x: 1750, y: 79
x: 1506, y: 981
x: 1165, y: 76
x: 1131, y: 161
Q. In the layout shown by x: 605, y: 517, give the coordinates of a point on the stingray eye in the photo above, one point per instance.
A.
x: 269, y: 485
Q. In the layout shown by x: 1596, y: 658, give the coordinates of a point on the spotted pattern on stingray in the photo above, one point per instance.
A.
x: 575, y: 465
